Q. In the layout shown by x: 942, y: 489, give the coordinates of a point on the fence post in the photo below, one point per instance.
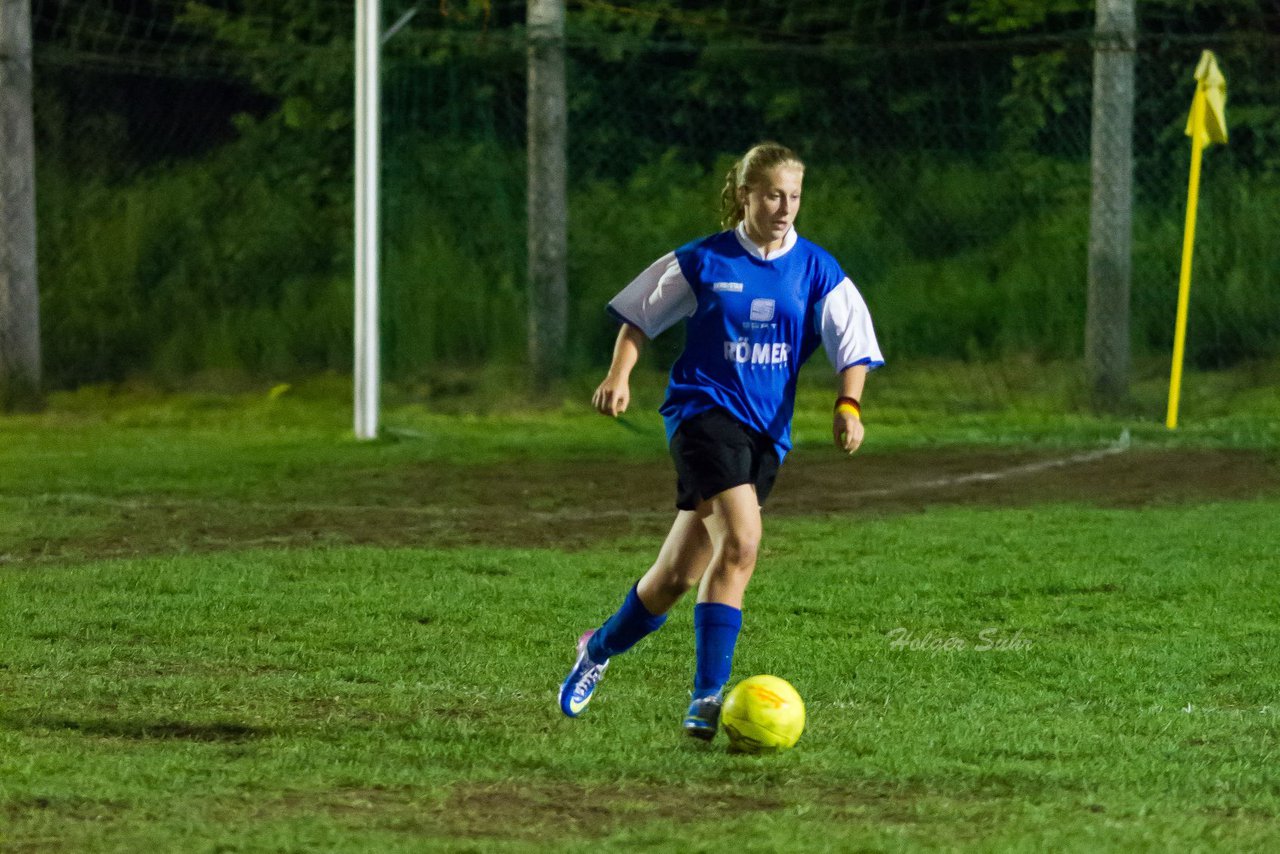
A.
x: 547, y: 205
x: 19, y: 294
x: 1106, y: 340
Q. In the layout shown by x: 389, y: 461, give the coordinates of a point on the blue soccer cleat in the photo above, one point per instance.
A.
x: 703, y: 717
x: 577, y: 689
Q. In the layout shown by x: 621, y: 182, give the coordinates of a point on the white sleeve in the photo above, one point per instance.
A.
x: 847, y: 333
x: 657, y: 299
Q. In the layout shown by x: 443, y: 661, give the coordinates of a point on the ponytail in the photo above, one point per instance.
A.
x: 731, y: 207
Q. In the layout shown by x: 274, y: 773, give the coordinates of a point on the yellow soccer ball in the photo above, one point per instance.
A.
x: 762, y: 714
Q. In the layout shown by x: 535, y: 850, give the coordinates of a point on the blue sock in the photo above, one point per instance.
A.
x: 624, y: 629
x: 715, y: 630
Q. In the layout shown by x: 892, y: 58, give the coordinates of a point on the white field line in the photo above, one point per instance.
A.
x: 1119, y: 447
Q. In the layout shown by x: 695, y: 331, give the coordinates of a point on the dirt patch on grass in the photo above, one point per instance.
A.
x: 1139, y: 478
x: 536, y: 811
x: 580, y: 504
x: 565, y: 811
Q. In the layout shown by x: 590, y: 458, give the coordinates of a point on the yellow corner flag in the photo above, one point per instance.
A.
x: 1206, y: 124
x: 1211, y: 89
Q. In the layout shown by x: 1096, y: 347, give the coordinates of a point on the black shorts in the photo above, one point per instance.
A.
x: 713, y: 451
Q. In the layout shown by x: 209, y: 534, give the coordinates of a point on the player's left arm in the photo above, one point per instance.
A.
x: 850, y: 341
x: 846, y: 425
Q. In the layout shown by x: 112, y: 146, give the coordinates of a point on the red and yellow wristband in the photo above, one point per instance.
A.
x: 849, y: 406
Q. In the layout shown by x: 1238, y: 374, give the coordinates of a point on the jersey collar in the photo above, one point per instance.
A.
x: 788, y: 241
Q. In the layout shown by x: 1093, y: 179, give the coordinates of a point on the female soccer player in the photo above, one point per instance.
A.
x: 757, y: 299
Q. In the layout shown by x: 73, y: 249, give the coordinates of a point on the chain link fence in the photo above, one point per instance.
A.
x: 195, y: 174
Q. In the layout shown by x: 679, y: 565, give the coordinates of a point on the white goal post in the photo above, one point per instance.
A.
x: 368, y: 116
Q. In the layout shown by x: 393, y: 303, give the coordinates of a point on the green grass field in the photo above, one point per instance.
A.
x: 229, y: 627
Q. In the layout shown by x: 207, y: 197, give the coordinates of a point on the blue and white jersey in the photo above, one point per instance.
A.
x: 752, y: 321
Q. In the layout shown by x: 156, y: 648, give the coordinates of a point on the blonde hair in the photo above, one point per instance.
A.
x: 750, y: 171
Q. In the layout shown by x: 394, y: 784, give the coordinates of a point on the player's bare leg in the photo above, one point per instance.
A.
x: 734, y: 526
x: 732, y: 521
x: 681, y: 563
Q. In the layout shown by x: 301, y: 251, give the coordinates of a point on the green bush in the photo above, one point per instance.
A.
x: 204, y: 266
x: 1234, y: 308
x: 242, y: 262
x: 452, y: 284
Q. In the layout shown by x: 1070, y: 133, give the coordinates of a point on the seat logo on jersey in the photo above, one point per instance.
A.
x: 727, y: 287
x: 744, y: 352
x: 762, y: 309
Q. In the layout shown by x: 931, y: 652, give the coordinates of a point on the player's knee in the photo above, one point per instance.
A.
x: 673, y: 580
x: 740, y: 551
x: 674, y: 585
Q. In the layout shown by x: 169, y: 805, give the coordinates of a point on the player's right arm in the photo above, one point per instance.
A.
x: 614, y: 394
x: 655, y: 301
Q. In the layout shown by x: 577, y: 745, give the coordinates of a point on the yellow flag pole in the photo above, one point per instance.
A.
x: 1188, y: 242
x: 1207, y: 123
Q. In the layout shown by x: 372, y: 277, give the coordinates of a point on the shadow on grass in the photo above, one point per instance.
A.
x: 140, y: 730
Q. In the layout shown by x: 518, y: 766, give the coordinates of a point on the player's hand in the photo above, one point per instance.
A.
x: 612, y: 396
x: 848, y: 432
